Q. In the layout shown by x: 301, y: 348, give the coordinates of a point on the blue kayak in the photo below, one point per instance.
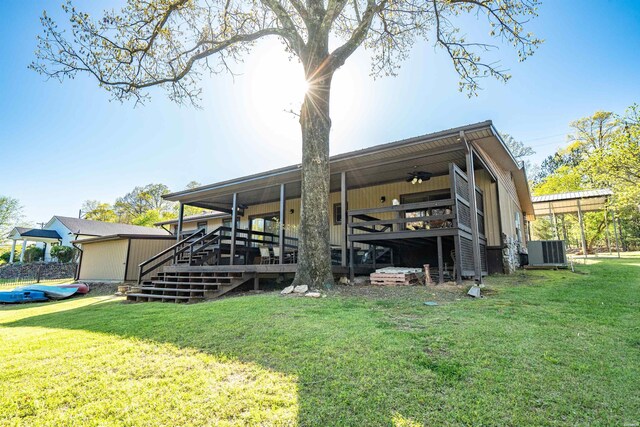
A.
x: 52, y: 292
x: 22, y: 296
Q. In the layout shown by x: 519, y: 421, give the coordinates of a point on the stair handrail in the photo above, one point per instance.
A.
x: 203, y: 238
x: 174, y: 248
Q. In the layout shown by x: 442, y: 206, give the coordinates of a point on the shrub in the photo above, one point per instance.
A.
x: 62, y: 253
x: 33, y: 253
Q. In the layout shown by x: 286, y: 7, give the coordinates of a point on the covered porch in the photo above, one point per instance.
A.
x: 47, y: 238
x: 405, y: 203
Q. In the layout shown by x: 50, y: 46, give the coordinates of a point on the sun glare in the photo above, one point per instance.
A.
x: 276, y: 82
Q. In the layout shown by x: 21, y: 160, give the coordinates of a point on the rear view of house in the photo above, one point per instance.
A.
x: 456, y: 200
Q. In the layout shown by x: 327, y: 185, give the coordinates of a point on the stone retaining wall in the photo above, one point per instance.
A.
x: 46, y: 271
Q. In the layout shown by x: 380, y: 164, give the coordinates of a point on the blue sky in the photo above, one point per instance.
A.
x: 62, y: 144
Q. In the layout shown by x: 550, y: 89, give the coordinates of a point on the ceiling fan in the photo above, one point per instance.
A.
x: 418, y: 177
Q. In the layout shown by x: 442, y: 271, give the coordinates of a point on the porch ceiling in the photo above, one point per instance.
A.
x: 376, y: 165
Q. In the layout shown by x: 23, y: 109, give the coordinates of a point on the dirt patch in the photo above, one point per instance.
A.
x: 97, y: 289
x: 441, y: 293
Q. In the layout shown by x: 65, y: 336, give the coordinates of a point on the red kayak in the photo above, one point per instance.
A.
x: 81, y: 288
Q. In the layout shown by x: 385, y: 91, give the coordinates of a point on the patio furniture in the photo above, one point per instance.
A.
x: 265, y: 255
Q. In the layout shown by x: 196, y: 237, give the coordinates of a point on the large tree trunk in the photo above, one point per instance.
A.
x: 314, y: 261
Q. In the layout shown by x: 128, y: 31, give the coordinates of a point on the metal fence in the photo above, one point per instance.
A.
x: 6, y: 284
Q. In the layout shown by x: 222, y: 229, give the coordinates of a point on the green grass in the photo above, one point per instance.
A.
x: 543, y: 348
x: 7, y: 284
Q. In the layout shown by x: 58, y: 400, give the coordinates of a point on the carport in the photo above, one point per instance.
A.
x: 577, y: 202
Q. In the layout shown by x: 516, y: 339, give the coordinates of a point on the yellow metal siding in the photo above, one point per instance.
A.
x: 141, y: 250
x: 507, y: 193
x: 491, y: 217
x: 104, y: 260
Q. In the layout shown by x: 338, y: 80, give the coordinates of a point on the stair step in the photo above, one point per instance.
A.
x: 189, y: 283
x: 145, y: 288
x: 153, y: 296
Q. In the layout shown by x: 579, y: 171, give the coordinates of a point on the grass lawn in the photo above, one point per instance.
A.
x: 543, y: 348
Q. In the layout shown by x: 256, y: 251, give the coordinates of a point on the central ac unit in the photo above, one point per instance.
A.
x: 547, y: 253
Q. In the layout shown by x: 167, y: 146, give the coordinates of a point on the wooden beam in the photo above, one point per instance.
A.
x: 440, y: 262
x: 234, y: 221
x: 344, y: 222
x: 457, y: 264
x: 281, y: 230
x: 434, y: 232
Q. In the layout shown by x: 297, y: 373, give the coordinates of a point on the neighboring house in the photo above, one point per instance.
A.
x: 405, y: 203
x: 61, y: 230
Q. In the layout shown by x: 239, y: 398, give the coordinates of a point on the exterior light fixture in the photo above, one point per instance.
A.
x: 383, y: 199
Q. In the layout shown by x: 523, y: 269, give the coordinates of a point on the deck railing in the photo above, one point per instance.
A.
x: 437, y: 214
x: 169, y: 254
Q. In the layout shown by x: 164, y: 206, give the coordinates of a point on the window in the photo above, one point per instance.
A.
x: 337, y: 213
x: 202, y: 224
x: 266, y: 223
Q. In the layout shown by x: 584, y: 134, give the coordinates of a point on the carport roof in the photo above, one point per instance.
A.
x: 589, y: 200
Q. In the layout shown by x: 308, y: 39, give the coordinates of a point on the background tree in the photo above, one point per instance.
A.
x: 192, y: 210
x: 135, y: 204
x: 603, y: 151
x: 170, y: 43
x: 10, y: 215
x: 98, y: 211
x: 519, y: 151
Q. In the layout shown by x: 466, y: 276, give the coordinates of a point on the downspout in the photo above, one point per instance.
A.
x: 76, y: 277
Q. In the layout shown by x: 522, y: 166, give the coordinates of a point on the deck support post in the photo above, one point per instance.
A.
x: 615, y: 231
x: 440, y: 262
x: 582, y: 236
x: 13, y: 251
x: 374, y: 255
x: 234, y: 222
x: 256, y: 282
x: 345, y: 220
x: 180, y: 218
x: 471, y: 180
x: 457, y: 265
x: 351, y: 269
x: 281, y: 228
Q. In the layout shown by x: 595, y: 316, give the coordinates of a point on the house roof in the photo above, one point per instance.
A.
x: 123, y: 236
x: 370, y: 166
x: 37, y: 232
x: 99, y: 228
x: 194, y: 218
x: 589, y: 200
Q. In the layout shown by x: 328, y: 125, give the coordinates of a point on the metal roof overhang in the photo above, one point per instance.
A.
x: 371, y: 166
x: 570, y: 205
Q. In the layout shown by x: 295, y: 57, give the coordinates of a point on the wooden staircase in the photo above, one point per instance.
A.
x: 173, y: 285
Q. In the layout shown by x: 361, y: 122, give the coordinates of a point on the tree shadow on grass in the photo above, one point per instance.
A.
x: 353, y: 365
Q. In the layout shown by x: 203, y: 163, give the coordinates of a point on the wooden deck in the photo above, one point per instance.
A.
x: 259, y: 269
